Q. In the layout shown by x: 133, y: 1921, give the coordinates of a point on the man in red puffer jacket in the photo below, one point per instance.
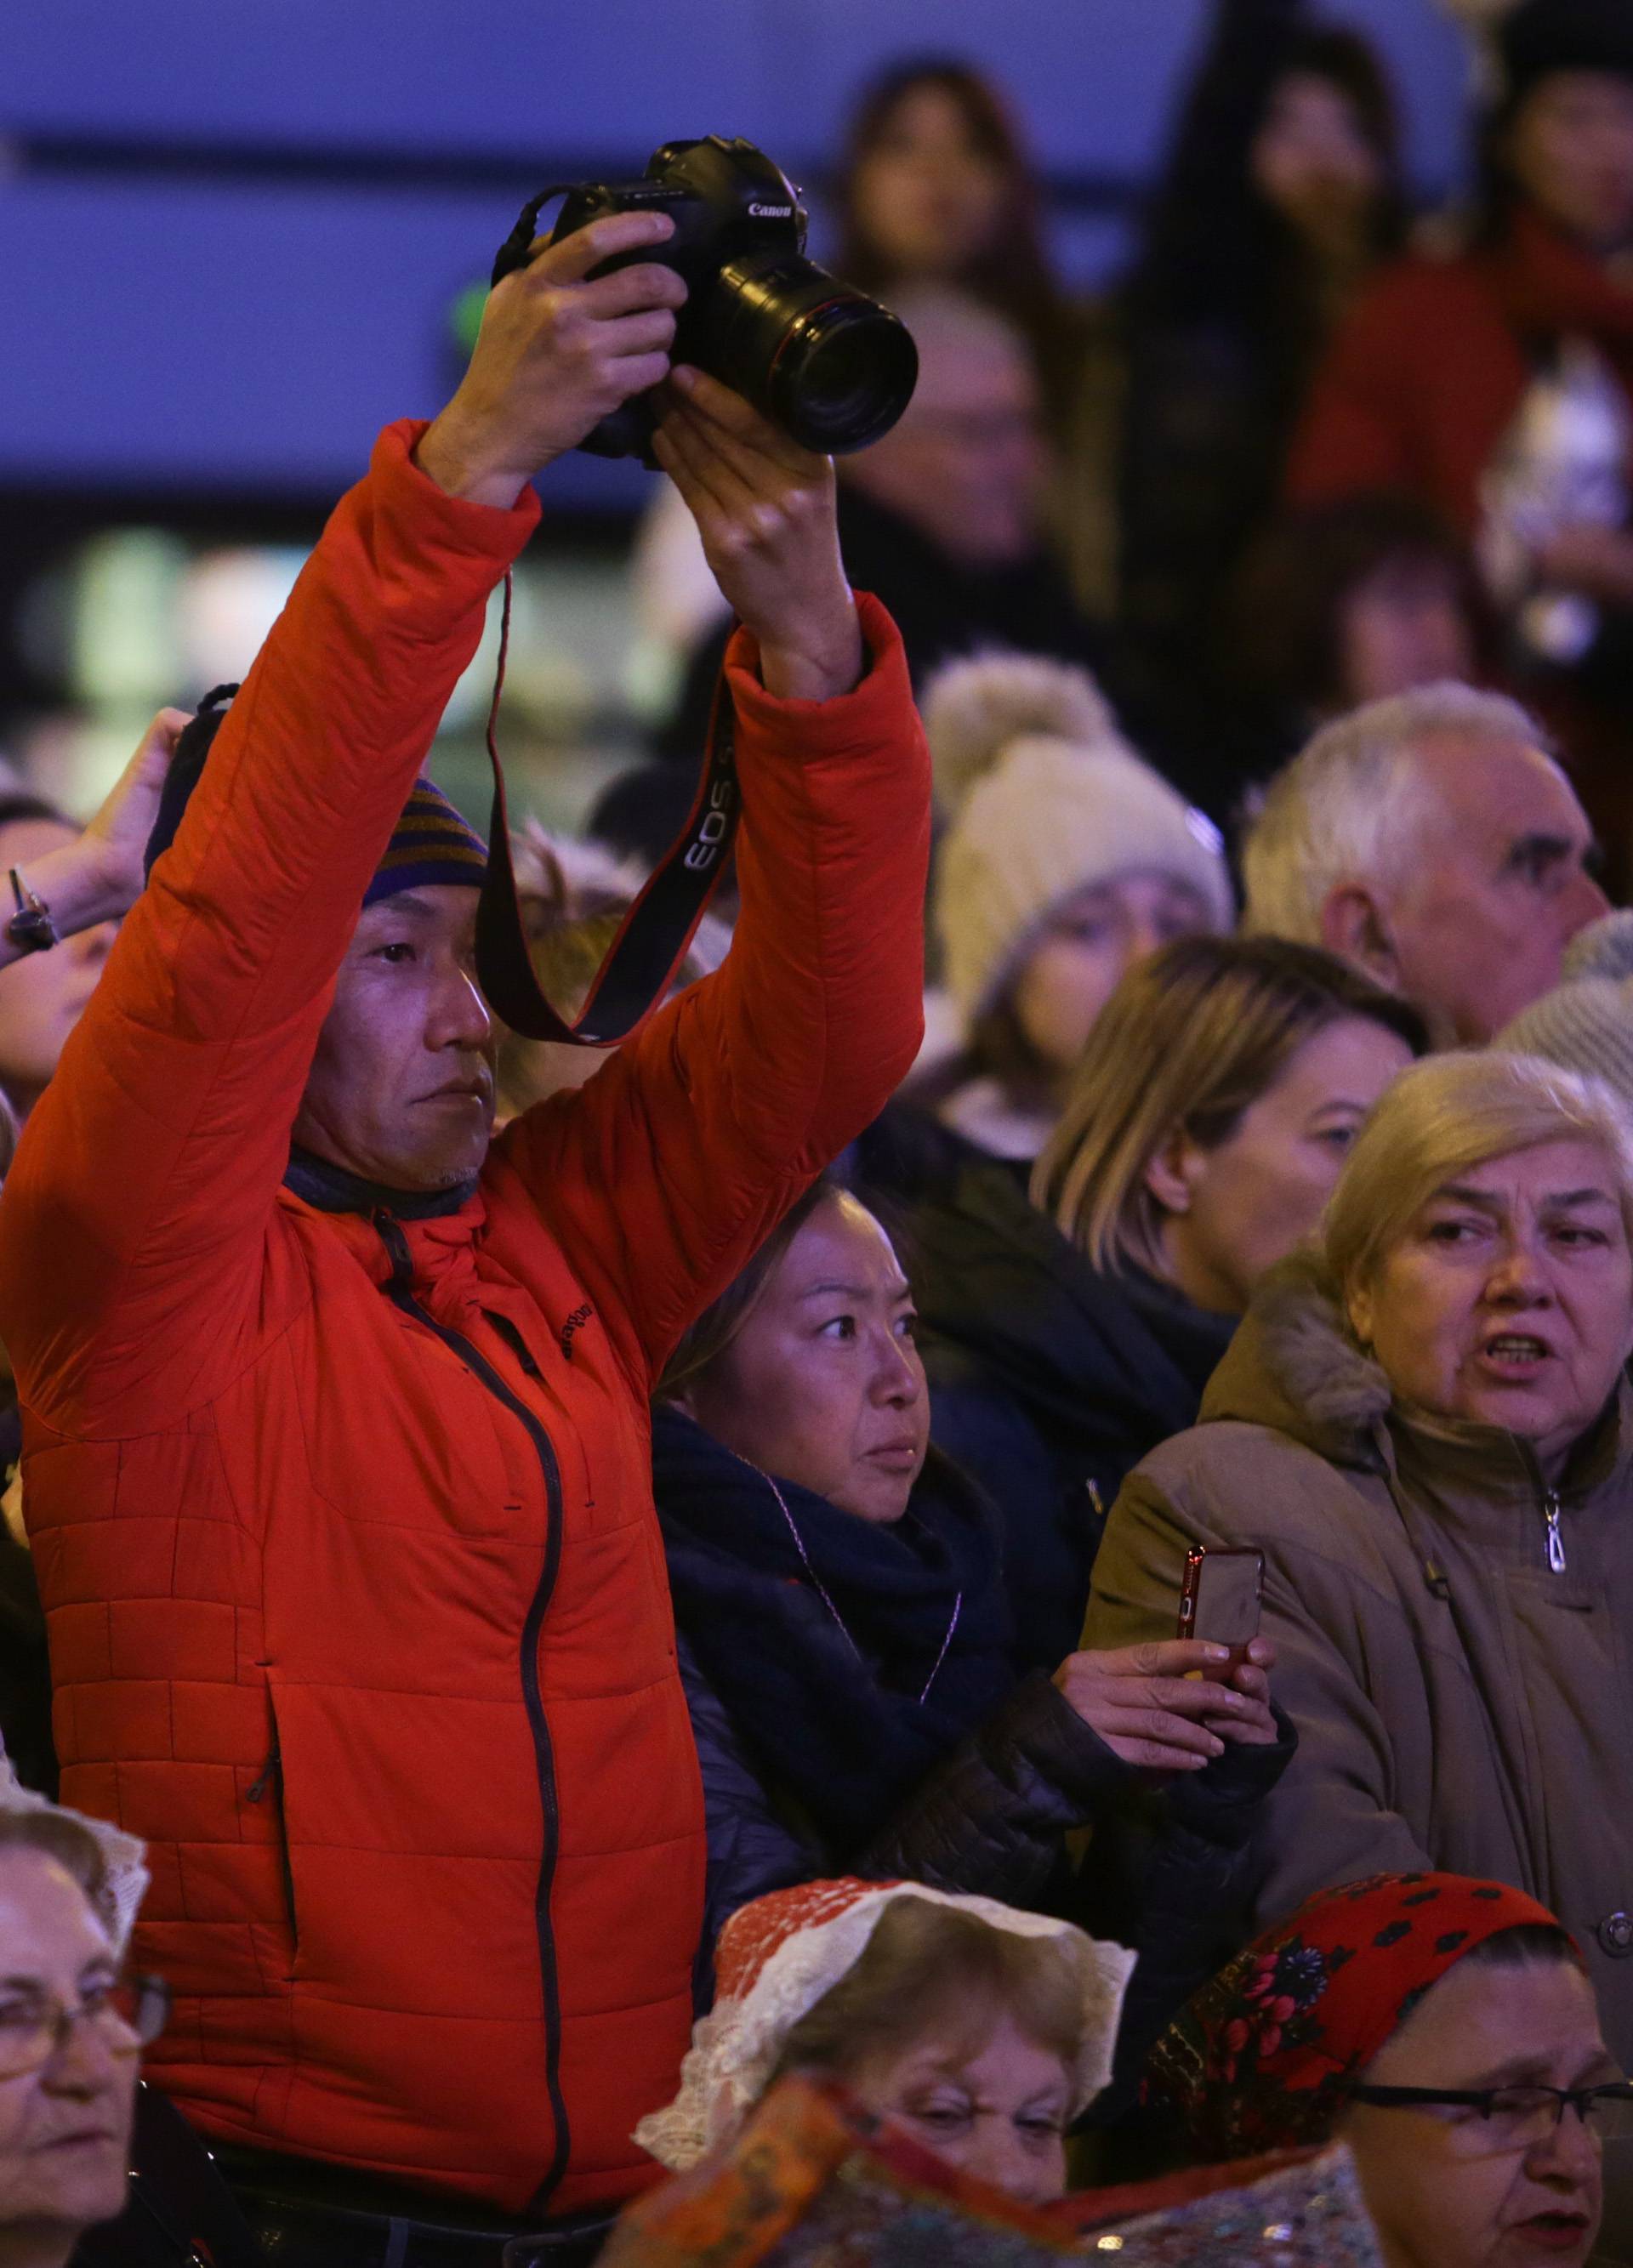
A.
x: 337, y: 1474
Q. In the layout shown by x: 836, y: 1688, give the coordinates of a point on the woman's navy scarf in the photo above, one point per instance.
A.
x: 846, y: 1740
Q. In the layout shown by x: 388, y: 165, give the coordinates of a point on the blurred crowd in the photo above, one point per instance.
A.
x: 1311, y: 450
x: 963, y: 1590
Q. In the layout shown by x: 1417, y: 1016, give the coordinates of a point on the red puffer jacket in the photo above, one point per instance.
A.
x: 356, y: 1600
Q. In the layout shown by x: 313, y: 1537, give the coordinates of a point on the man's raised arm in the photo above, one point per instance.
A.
x: 129, y: 1227
x: 664, y: 1173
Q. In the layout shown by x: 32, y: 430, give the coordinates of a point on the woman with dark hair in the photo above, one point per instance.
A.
x: 838, y: 1594
x: 936, y: 193
x: 1445, y: 2030
x: 1424, y: 383
x: 1281, y: 193
x: 937, y: 187
x: 938, y: 208
x: 1342, y: 603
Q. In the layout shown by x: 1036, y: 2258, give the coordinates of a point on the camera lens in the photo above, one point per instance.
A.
x: 844, y: 374
x: 831, y: 366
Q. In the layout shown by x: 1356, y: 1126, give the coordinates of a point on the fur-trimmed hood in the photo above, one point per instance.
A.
x: 1295, y: 1365
x: 1452, y: 1623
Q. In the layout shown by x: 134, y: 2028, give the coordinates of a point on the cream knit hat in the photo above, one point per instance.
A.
x: 1045, y: 797
x: 1586, y: 1023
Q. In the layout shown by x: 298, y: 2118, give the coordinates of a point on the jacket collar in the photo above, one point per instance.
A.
x: 994, y: 1276
x: 1294, y: 1366
x: 440, y: 1230
x: 329, y: 1188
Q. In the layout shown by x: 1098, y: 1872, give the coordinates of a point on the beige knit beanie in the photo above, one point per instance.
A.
x: 1586, y: 1023
x: 1043, y: 798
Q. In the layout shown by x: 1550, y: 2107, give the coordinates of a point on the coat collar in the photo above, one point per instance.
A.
x: 330, y: 1187
x: 1296, y: 1366
x: 440, y: 1232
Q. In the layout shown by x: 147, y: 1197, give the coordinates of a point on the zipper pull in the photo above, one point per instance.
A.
x: 390, y: 1232
x: 274, y: 1764
x: 1555, y: 1541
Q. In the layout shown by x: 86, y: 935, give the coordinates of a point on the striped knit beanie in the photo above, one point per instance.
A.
x: 430, y: 843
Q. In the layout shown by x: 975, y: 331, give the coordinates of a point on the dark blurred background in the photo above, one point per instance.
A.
x: 236, y: 239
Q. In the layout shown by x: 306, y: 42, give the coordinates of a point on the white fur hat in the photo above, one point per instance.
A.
x: 776, y: 1959
x: 1045, y: 797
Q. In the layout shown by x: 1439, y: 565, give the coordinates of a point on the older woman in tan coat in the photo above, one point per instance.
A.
x: 1425, y: 1427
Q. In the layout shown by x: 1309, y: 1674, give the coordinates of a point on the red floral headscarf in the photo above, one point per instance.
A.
x: 1262, y: 2056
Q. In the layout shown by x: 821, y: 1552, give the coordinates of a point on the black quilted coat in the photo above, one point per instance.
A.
x: 1169, y: 1874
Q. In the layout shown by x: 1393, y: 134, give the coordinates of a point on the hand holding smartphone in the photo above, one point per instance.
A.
x: 1220, y: 1602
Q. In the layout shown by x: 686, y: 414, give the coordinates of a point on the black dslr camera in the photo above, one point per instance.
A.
x: 829, y: 365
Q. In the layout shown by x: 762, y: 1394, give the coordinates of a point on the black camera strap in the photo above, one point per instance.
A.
x: 644, y: 956
x: 518, y: 247
x: 649, y: 947
x: 643, y: 959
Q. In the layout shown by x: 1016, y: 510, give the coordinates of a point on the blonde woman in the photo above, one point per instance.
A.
x: 1210, y: 1114
x: 1425, y: 1427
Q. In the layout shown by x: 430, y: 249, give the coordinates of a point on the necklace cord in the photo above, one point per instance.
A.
x: 821, y: 1589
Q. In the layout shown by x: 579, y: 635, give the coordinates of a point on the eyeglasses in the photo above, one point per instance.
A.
x: 1514, y: 2118
x: 131, y: 2011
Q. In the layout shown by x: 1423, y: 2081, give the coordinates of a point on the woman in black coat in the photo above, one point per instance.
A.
x: 1067, y: 1336
x: 1279, y: 195
x: 844, y: 1633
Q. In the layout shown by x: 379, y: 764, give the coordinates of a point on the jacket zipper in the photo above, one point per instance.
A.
x: 399, y: 1290
x: 271, y: 1770
x: 1555, y: 1541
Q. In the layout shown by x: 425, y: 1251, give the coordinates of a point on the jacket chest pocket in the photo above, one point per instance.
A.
x: 1568, y: 1690
x: 413, y: 1439
x: 484, y: 1467
x: 1543, y: 1604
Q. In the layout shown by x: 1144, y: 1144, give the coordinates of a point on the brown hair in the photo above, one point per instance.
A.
x: 1014, y: 274
x: 703, y: 1344
x: 58, y: 1835
x: 1286, y: 610
x: 930, y: 1970
x: 1186, y: 1043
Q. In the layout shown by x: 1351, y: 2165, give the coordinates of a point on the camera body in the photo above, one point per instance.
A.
x: 830, y: 365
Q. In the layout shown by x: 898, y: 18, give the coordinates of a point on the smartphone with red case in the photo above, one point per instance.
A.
x: 1220, y: 1601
